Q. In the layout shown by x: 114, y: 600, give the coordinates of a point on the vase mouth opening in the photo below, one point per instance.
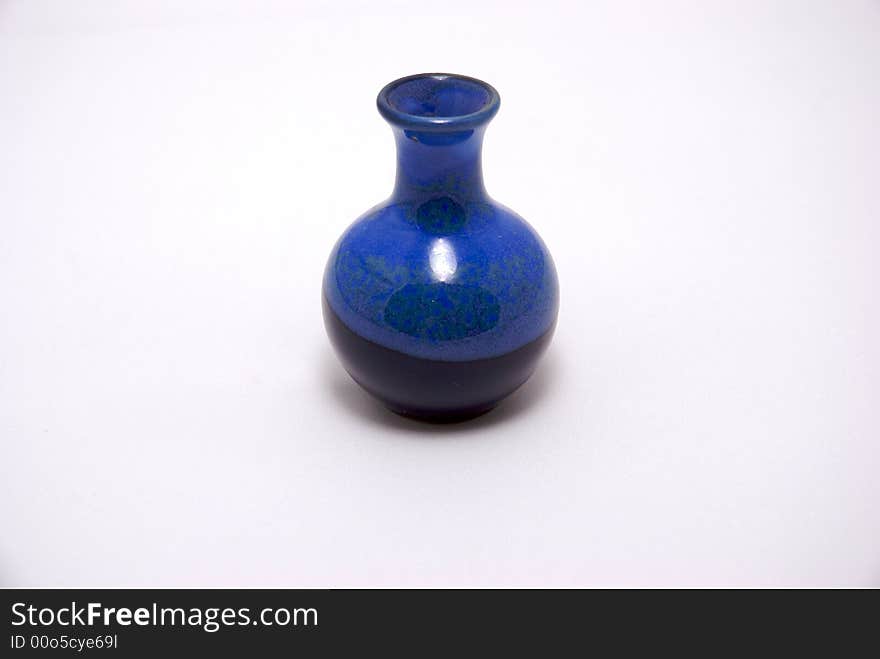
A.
x: 438, y: 102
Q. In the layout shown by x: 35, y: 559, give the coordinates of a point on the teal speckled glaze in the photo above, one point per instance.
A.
x: 440, y: 271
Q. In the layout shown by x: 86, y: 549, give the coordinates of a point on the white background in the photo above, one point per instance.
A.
x: 173, y: 176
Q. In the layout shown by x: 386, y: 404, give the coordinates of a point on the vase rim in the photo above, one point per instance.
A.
x: 475, y: 102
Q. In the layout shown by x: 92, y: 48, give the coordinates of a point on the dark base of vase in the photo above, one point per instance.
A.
x: 431, y: 390
x: 440, y: 417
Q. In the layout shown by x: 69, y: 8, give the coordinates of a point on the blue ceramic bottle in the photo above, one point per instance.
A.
x: 439, y: 301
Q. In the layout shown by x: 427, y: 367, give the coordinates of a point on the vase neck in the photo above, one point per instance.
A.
x: 438, y: 120
x: 430, y: 164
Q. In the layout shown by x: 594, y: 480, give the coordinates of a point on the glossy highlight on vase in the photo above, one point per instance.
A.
x: 439, y: 301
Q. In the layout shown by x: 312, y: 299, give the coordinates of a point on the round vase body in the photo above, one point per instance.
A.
x: 439, y: 301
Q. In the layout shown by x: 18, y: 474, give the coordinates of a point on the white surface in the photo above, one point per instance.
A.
x: 172, y: 180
